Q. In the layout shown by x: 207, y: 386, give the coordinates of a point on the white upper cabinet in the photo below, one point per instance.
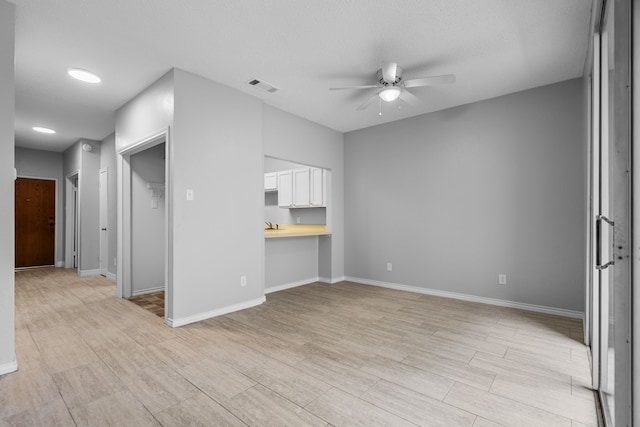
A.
x: 301, y: 188
x: 271, y: 181
x: 285, y: 189
x: 317, y: 187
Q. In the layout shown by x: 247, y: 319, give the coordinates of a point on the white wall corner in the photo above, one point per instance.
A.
x: 174, y: 323
x: 473, y: 298
x: 7, y: 368
x: 112, y: 276
x: 331, y: 281
x: 291, y: 285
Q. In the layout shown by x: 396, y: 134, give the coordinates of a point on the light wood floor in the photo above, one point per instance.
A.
x: 343, y: 354
x: 153, y: 302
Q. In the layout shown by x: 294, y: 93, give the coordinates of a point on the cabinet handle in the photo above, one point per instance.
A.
x: 599, y: 219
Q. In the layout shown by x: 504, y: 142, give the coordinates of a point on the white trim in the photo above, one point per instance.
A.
x: 59, y: 264
x: 174, y: 323
x: 473, y: 298
x: 7, y: 368
x: 147, y: 291
x: 124, y: 263
x: 68, y: 218
x: 85, y: 273
x: 331, y: 281
x: 103, y: 195
x: 111, y: 276
x: 291, y: 285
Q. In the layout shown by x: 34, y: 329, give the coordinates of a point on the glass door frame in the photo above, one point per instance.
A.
x: 610, y: 109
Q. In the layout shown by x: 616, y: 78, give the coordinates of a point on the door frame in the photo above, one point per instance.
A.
x: 69, y: 220
x: 56, y: 239
x: 124, y: 251
x: 104, y: 209
x: 623, y: 189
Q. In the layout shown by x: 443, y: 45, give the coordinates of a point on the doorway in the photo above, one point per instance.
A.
x: 144, y: 218
x: 104, y: 220
x: 72, y: 222
x: 35, y: 222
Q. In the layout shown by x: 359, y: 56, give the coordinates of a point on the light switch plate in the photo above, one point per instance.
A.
x: 189, y: 194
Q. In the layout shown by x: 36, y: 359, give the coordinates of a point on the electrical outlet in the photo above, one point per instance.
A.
x: 502, y: 279
x: 243, y: 280
x: 297, y: 220
x: 389, y: 266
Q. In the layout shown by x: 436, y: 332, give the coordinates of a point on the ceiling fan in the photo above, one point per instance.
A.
x: 391, y: 86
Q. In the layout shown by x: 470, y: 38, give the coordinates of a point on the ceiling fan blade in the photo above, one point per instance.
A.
x: 430, y: 81
x: 410, y: 98
x: 353, y: 87
x: 389, y: 70
x: 367, y: 102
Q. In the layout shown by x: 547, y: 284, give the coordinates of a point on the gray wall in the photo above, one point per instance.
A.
x: 149, y: 112
x: 46, y: 164
x: 455, y: 197
x: 285, y: 136
x: 290, y: 261
x: 7, y: 187
x: 217, y: 237
x: 88, y: 163
x: 108, y: 162
x: 147, y: 223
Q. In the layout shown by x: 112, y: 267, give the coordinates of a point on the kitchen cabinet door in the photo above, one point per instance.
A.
x: 317, y: 187
x: 271, y: 181
x: 301, y: 189
x: 285, y: 189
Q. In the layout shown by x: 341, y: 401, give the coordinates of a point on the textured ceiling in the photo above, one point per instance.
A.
x: 493, y: 47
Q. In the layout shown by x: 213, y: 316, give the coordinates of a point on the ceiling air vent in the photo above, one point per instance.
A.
x: 263, y: 85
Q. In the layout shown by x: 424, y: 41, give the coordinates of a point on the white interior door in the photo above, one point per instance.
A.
x: 104, y: 212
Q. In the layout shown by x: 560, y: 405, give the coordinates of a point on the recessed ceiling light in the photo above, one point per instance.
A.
x: 43, y: 130
x: 84, y: 75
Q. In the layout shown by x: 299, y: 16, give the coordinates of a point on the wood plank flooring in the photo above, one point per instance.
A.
x: 153, y: 301
x: 340, y: 355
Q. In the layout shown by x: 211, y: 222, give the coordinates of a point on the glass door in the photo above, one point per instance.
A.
x: 611, y: 215
x: 604, y: 224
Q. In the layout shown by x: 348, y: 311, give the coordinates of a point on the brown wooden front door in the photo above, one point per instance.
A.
x: 35, y: 222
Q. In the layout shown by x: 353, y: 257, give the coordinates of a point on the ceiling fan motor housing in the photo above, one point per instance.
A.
x: 381, y: 80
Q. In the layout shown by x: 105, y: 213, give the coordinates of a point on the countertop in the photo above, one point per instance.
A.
x: 297, y: 230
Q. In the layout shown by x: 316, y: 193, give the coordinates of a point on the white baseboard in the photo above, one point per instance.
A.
x: 473, y: 298
x: 331, y: 281
x: 85, y: 273
x: 291, y: 285
x: 111, y: 276
x: 174, y: 323
x: 147, y: 291
x: 7, y: 368
x: 59, y: 264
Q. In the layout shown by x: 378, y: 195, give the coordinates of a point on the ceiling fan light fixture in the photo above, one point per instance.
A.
x: 84, y: 75
x: 389, y: 94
